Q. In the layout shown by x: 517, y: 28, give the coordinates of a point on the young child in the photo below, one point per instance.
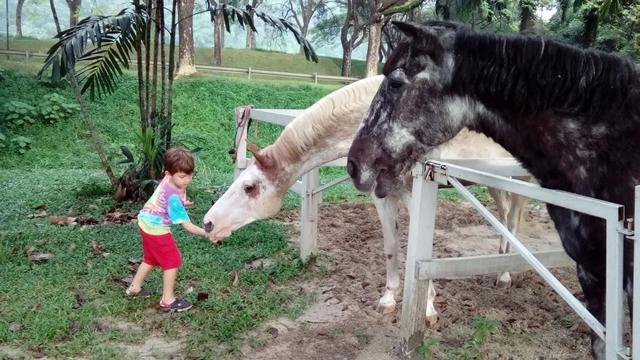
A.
x: 164, y: 208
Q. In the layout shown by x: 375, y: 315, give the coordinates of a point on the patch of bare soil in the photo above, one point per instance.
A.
x: 534, y: 322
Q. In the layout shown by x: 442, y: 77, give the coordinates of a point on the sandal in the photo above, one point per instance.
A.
x: 144, y: 292
x: 176, y: 306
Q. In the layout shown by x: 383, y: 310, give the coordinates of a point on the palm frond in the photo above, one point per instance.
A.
x: 103, y: 43
x: 232, y: 13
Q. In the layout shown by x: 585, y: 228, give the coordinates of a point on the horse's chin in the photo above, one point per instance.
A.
x: 381, y: 191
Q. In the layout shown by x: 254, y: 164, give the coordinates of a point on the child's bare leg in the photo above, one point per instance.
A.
x: 138, y: 279
x: 168, y: 284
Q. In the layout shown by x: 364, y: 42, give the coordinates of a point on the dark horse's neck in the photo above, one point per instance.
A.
x: 532, y: 74
x: 562, y: 111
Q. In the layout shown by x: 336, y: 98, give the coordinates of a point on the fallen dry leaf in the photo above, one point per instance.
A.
x: 189, y: 290
x: 37, y: 257
x: 224, y: 290
x: 202, y: 296
x: 74, y: 326
x: 97, y: 249
x: 233, y: 276
x: 99, y: 326
x: 80, y: 300
x: 274, y: 332
x: 15, y: 326
x: 123, y: 282
x: 36, y: 306
x: 61, y: 220
x: 119, y: 218
x: 86, y: 220
x: 37, y: 214
x: 134, y: 261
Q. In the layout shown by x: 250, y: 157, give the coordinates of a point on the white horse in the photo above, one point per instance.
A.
x: 323, y: 133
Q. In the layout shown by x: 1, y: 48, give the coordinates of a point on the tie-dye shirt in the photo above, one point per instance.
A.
x: 163, y: 209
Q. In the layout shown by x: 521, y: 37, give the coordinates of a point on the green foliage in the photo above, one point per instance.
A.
x: 55, y: 108
x: 426, y: 348
x: 483, y: 328
x: 21, y: 144
x: 16, y: 114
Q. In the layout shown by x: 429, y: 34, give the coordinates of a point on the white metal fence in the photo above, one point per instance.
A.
x: 250, y: 72
x: 421, y: 268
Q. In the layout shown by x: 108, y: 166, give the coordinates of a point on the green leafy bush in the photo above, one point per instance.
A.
x: 3, y: 140
x: 55, y: 108
x: 17, y: 114
x: 21, y: 143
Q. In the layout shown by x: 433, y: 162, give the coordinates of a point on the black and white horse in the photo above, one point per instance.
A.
x: 570, y: 116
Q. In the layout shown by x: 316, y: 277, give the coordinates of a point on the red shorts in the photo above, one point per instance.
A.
x: 160, y: 250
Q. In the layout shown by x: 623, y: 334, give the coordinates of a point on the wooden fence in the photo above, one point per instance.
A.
x: 315, y: 77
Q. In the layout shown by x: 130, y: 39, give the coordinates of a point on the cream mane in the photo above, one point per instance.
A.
x: 339, y: 112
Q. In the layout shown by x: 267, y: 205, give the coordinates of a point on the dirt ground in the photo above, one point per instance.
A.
x: 534, y: 323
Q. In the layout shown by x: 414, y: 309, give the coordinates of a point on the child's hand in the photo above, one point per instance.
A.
x: 213, y: 239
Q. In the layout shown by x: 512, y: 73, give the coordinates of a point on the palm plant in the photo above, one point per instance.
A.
x: 101, y: 46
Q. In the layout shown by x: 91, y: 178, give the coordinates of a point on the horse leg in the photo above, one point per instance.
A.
x: 387, y: 209
x: 593, y: 287
x: 505, y: 204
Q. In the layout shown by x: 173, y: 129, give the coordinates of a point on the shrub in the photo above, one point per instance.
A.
x: 18, y: 114
x: 55, y: 108
x: 21, y: 143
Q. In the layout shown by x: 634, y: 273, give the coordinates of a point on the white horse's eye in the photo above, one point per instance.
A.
x: 249, y: 189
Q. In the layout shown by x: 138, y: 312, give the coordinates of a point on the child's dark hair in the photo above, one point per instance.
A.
x: 179, y: 159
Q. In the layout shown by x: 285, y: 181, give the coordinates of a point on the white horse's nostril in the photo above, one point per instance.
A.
x: 208, y: 227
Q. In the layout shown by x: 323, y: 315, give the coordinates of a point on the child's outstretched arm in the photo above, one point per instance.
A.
x: 197, y: 230
x: 194, y: 229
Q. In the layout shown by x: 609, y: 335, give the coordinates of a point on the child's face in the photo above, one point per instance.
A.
x: 180, y: 179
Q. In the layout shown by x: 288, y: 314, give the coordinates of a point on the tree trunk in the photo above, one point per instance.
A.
x: 218, y: 28
x: 346, y: 61
x: 527, y: 16
x: 170, y: 76
x: 55, y: 16
x: 19, y: 18
x: 74, y: 11
x: 186, y: 63
x: 95, y: 138
x: 590, y: 27
x: 251, y: 36
x: 139, y: 66
x: 373, y: 46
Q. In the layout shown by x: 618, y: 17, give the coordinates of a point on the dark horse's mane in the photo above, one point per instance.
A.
x: 538, y: 75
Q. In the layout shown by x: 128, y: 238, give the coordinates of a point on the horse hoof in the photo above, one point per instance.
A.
x: 386, y: 308
x: 503, y: 281
x: 431, y: 320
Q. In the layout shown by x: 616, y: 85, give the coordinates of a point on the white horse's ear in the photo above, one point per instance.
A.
x: 263, y: 161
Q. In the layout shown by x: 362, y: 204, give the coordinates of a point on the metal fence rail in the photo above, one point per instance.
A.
x: 420, y: 267
x: 315, y: 77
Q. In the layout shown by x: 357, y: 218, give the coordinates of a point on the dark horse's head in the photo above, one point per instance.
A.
x: 413, y: 110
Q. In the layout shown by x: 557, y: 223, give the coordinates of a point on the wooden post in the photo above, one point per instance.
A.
x: 241, y: 153
x: 315, y: 78
x: 249, y: 73
x: 309, y: 218
x: 420, y: 247
x: 26, y: 55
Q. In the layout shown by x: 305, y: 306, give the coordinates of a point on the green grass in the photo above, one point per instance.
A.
x: 238, y: 58
x: 62, y: 174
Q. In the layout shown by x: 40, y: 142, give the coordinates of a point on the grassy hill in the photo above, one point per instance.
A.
x: 239, y: 58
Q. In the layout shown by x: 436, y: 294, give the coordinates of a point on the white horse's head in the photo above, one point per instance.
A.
x: 322, y: 133
x: 256, y: 194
